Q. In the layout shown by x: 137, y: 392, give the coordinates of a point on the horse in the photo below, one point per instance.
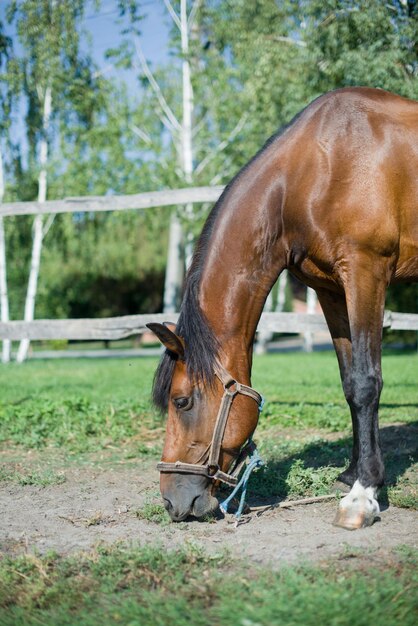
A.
x: 333, y: 198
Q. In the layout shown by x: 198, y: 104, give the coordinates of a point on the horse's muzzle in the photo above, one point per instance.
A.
x: 187, y: 495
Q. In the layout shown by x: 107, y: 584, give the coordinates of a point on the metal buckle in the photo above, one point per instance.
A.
x: 228, y: 388
x: 212, y: 470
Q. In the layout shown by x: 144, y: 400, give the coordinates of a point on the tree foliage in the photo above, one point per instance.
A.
x: 92, y: 152
x: 362, y: 42
x: 254, y: 65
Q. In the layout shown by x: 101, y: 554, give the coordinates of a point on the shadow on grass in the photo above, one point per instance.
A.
x: 323, y: 460
x: 342, y: 403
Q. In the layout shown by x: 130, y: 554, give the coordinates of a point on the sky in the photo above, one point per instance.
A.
x: 105, y: 30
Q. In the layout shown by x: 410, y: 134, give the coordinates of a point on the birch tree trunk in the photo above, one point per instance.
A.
x: 186, y: 126
x: 175, y: 258
x: 311, y: 301
x: 4, y: 300
x: 264, y: 336
x: 281, y: 291
x: 174, y: 269
x: 37, y: 226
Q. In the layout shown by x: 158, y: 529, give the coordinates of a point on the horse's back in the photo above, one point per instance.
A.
x: 352, y: 160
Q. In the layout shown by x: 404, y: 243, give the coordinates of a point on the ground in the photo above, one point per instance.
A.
x: 103, y: 503
x: 84, y: 537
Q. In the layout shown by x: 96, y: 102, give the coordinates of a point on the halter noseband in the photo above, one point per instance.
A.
x: 212, y: 470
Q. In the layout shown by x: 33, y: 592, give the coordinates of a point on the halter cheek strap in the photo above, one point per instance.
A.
x: 211, y: 469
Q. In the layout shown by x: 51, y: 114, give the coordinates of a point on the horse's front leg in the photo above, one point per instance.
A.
x: 365, y: 288
x: 334, y: 308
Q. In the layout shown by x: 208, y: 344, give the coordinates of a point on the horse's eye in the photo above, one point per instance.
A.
x: 183, y: 404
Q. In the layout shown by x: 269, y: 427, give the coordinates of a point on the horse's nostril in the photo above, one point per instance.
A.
x: 168, y: 504
x: 193, y: 502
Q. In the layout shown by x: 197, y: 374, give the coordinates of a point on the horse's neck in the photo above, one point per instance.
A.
x: 244, y: 258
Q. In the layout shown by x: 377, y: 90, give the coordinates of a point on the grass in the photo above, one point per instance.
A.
x: 404, y: 491
x: 304, y: 391
x: 85, y: 409
x: 37, y: 477
x: 150, y: 586
x: 88, y: 404
x: 85, y: 406
x: 82, y: 406
x: 308, y: 465
x: 154, y: 512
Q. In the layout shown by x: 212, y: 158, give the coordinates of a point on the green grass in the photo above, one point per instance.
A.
x: 404, y: 491
x: 90, y: 405
x: 38, y: 477
x: 78, y: 406
x: 304, y: 390
x: 87, y: 404
x: 154, y: 511
x: 101, y: 408
x: 150, y: 586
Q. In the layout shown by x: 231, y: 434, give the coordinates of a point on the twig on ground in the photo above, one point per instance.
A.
x: 67, y: 519
x: 286, y: 504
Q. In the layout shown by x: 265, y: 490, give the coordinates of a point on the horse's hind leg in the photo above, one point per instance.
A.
x: 365, y: 287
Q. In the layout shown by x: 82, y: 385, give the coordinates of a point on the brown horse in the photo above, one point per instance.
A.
x: 333, y: 198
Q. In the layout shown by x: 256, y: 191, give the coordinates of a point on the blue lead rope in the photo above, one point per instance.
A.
x: 254, y: 462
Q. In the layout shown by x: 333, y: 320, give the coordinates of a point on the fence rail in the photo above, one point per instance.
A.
x: 121, y: 327
x: 113, y: 203
x: 113, y: 328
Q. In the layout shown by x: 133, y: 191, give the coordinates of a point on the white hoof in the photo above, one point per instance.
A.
x: 357, y: 509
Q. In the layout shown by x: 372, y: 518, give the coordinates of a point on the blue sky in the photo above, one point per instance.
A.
x: 105, y: 30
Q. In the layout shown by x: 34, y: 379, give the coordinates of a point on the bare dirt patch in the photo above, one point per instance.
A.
x: 100, y: 504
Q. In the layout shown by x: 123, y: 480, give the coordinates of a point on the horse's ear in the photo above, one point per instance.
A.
x: 167, y: 336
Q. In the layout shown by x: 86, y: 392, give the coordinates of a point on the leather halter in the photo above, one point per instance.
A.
x: 211, y: 469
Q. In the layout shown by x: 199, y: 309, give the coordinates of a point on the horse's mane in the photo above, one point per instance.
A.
x: 201, y: 345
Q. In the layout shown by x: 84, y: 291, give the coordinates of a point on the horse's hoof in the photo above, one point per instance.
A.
x: 358, y: 509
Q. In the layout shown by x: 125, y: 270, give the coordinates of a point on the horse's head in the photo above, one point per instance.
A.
x: 208, y: 424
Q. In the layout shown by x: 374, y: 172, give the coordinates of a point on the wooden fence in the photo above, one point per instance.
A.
x: 88, y: 204
x: 104, y: 329
x: 126, y: 326
x: 113, y: 328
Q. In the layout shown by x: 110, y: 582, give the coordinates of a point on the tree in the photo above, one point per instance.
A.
x: 236, y: 72
x: 6, y: 97
x: 262, y: 48
x: 288, y: 53
x: 51, y: 72
x: 94, y: 151
x: 181, y: 132
x: 4, y: 300
x: 361, y: 42
x: 104, y: 264
x: 195, y: 125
